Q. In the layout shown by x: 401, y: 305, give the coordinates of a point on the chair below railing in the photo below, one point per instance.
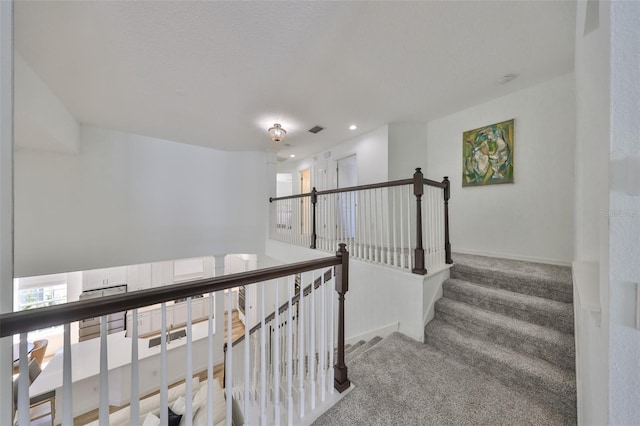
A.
x: 402, y: 224
x: 114, y: 369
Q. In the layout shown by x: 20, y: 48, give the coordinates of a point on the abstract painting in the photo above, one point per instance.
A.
x: 487, y: 154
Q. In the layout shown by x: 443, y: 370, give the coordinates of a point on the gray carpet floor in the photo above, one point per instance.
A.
x: 400, y: 381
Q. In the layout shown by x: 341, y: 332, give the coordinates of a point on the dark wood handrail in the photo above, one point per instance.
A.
x: 434, y: 183
x: 349, y: 189
x: 35, y: 319
x: 360, y: 188
x: 285, y: 306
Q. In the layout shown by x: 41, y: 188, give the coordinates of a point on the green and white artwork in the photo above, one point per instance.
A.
x: 487, y: 154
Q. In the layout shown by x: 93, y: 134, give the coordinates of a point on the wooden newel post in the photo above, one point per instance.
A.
x: 447, y: 243
x: 341, y: 380
x: 314, y: 201
x: 418, y: 190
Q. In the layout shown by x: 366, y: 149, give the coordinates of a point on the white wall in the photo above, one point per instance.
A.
x: 624, y: 222
x: 372, y: 156
x: 532, y: 218
x: 41, y: 119
x: 128, y: 199
x: 6, y: 202
x: 380, y: 300
x: 591, y: 205
x: 407, y: 150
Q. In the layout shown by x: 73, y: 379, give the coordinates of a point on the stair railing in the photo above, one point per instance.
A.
x: 292, y: 348
x: 378, y: 222
x: 199, y: 345
x: 318, y: 296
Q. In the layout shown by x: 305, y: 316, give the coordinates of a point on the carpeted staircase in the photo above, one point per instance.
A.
x: 352, y: 352
x: 514, y: 321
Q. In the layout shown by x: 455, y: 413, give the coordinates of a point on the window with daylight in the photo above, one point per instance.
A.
x: 39, y: 292
x: 42, y: 296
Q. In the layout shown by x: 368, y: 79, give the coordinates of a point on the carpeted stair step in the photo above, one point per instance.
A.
x: 537, y: 310
x: 531, y: 339
x: 354, y: 346
x: 535, y: 279
x: 536, y: 378
x: 362, y: 349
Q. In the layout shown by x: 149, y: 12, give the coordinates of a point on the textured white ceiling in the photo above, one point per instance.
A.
x: 219, y: 73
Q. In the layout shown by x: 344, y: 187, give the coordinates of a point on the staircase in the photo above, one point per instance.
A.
x: 514, y: 321
x: 352, y: 352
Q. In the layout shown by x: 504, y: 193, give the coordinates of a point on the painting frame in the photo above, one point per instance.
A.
x: 488, y: 153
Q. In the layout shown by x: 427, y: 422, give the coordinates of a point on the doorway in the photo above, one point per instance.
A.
x: 347, y: 176
x: 305, y: 202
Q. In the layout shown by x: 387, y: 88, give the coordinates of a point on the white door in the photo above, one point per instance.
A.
x: 347, y: 176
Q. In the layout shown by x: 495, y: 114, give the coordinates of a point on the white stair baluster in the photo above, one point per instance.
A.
x: 263, y: 360
x: 409, y: 246
x: 276, y: 354
x: 210, y: 334
x: 67, y: 408
x: 312, y: 350
x: 401, y: 214
x: 229, y: 370
x: 332, y: 317
x: 164, y: 386
x: 247, y: 348
x: 290, y: 353
x: 388, y: 225
x: 395, y: 245
x: 323, y: 338
x: 23, y: 382
x: 135, y: 382
x: 189, y: 373
x: 301, y: 345
x: 104, y: 374
x: 369, y: 225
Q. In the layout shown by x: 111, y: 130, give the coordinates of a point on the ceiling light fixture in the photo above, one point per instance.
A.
x: 277, y: 133
x: 292, y: 156
x: 353, y: 127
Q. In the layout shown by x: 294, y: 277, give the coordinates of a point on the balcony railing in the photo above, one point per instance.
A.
x: 70, y: 387
x: 402, y: 224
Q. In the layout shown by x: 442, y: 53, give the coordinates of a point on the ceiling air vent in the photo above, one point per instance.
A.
x: 316, y: 129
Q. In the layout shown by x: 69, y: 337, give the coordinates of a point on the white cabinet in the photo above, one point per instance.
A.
x: 197, y: 308
x: 139, y: 276
x: 161, y: 273
x: 156, y: 320
x: 144, y: 323
x: 106, y: 277
x: 179, y: 316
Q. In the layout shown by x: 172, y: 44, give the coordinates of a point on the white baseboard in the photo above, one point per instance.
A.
x: 515, y: 257
x: 382, y: 332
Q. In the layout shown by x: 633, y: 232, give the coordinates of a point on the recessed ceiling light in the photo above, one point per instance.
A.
x: 292, y: 156
x: 353, y: 127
